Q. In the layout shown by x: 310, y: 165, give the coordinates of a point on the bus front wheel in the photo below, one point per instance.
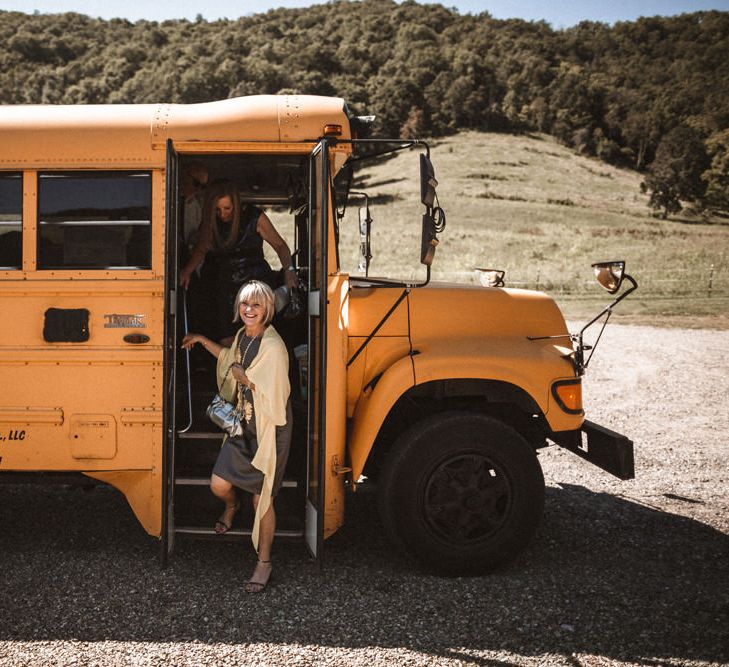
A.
x: 462, y: 493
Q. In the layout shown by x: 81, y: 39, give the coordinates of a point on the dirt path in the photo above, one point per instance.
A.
x: 667, y: 389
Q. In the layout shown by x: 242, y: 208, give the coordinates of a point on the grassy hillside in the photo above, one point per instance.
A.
x: 532, y: 207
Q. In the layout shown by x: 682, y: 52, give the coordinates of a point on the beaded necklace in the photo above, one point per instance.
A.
x: 246, y: 406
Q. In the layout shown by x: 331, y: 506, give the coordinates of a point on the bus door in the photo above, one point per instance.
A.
x: 316, y: 390
x: 172, y: 308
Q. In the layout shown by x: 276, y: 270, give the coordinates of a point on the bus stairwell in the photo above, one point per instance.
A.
x: 198, y: 440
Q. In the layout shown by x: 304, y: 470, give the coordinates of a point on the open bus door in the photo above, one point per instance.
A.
x: 180, y: 490
x: 172, y: 299
x: 316, y: 390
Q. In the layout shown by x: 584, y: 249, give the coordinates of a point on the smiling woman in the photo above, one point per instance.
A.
x: 253, y: 375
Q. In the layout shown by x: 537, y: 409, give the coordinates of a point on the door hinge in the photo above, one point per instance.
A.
x: 338, y: 469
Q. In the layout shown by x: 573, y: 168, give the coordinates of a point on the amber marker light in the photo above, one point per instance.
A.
x: 333, y: 130
x: 568, y: 394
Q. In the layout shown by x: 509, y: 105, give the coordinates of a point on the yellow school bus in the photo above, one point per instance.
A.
x: 440, y: 394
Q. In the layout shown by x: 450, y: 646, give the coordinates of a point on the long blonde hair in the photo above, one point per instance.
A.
x: 209, y: 229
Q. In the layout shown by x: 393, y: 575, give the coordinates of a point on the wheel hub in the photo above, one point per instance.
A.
x: 466, y: 499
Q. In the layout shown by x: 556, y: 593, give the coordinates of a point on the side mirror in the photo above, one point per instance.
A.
x: 609, y: 275
x: 428, y: 240
x: 428, y: 183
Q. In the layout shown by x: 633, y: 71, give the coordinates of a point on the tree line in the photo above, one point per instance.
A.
x: 651, y: 94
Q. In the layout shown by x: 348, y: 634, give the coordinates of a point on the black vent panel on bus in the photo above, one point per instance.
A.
x: 66, y: 325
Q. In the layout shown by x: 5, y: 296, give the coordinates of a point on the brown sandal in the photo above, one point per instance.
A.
x: 221, y: 527
x: 258, y: 586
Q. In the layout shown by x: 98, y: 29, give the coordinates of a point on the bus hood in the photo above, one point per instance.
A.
x: 445, y: 311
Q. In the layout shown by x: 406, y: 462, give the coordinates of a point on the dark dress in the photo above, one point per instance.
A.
x: 234, y: 460
x: 227, y: 269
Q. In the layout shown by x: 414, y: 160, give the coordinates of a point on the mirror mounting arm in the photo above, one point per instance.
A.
x: 580, y: 362
x: 396, y: 145
x: 633, y: 287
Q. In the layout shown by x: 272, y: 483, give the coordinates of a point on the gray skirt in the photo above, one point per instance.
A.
x: 234, y: 460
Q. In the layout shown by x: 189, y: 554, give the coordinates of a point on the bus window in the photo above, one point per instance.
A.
x: 95, y: 220
x: 11, y: 220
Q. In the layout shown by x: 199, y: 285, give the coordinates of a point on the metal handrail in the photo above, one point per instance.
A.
x: 187, y: 364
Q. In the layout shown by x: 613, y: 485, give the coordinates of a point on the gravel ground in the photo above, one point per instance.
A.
x: 620, y: 573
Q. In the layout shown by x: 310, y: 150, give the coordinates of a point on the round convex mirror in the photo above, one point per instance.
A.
x: 609, y: 275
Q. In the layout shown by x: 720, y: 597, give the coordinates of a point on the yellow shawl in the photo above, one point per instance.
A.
x: 269, y: 372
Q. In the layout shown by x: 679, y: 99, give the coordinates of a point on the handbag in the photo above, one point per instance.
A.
x: 225, y: 415
x: 289, y: 302
x: 294, y: 307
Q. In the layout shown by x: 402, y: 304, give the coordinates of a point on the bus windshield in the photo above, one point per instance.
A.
x: 379, y: 214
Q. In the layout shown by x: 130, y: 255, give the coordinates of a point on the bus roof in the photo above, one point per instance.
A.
x: 124, y: 135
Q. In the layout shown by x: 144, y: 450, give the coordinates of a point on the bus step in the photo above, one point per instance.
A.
x: 197, y: 531
x: 200, y: 435
x: 205, y: 481
x: 195, y: 505
x: 196, y: 452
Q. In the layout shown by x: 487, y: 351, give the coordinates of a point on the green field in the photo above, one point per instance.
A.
x: 532, y: 207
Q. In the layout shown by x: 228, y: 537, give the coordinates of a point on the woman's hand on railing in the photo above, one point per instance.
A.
x: 189, y: 341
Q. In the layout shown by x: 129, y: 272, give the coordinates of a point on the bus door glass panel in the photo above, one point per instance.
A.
x: 95, y: 220
x: 11, y: 220
x: 318, y: 198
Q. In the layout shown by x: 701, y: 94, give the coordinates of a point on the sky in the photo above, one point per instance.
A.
x: 558, y: 13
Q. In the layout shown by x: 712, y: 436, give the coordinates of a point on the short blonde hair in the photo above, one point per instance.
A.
x: 258, y: 291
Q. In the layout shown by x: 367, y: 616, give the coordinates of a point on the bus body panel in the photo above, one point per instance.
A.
x: 143, y: 491
x: 368, y: 305
x: 367, y: 308
x: 441, y: 310
x: 92, y: 407
x: 135, y: 135
x: 378, y: 356
x: 372, y: 409
x: 532, y: 369
x: 459, y: 333
x: 337, y: 320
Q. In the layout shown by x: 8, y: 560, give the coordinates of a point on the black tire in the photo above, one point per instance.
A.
x: 462, y: 493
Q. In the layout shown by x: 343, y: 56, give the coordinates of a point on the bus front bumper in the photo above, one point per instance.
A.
x: 600, y: 446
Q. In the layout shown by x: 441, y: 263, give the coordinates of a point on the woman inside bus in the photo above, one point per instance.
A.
x: 231, y: 245
x: 259, y: 381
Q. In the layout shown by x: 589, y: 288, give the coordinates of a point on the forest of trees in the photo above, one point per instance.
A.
x: 651, y: 94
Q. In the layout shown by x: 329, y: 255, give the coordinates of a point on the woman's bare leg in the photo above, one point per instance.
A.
x: 225, y: 491
x: 267, y: 530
